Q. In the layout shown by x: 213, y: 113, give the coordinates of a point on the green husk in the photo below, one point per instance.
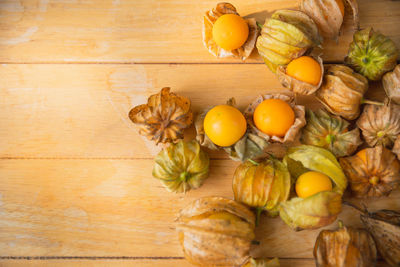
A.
x: 330, y: 132
x: 182, y: 166
x: 372, y: 54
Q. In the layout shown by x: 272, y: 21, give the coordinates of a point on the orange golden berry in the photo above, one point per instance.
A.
x: 305, y: 69
x: 274, y: 117
x: 230, y: 31
x: 362, y: 155
x: 312, y: 182
x: 224, y: 125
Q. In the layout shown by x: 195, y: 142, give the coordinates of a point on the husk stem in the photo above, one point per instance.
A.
x: 362, y: 210
x: 259, y: 210
x: 253, y: 161
x: 371, y: 102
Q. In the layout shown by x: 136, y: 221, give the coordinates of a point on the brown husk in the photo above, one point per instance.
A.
x: 384, y: 226
x: 248, y: 147
x: 391, y: 83
x: 376, y: 177
x: 215, y: 241
x: 328, y: 16
x: 343, y: 247
x: 291, y: 134
x: 164, y: 117
x: 297, y: 86
x: 342, y: 91
x: 380, y: 125
x: 396, y: 147
x: 211, y: 16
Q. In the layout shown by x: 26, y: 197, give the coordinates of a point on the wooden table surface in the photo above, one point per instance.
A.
x: 75, y: 177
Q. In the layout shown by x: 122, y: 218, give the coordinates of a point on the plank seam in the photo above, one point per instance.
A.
x: 145, y: 63
x: 83, y: 158
x: 107, y: 258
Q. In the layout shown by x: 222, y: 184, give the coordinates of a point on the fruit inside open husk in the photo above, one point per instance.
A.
x: 380, y: 124
x: 248, y: 147
x: 391, y: 84
x: 330, y: 132
x: 372, y: 54
x: 345, y: 246
x: 293, y: 130
x: 164, y: 117
x: 295, y: 84
x: 329, y: 15
x: 211, y: 17
x: 262, y: 185
x: 262, y: 263
x: 319, y: 209
x: 287, y: 35
x: 342, y: 91
x: 215, y: 231
x: 182, y: 166
x: 373, y: 172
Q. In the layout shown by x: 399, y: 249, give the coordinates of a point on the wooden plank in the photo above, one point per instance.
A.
x: 115, y: 208
x: 141, y: 263
x: 80, y: 111
x: 143, y: 31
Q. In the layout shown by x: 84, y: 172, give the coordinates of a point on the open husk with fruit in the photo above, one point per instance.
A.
x: 342, y: 91
x: 215, y: 231
x: 211, y: 16
x: 296, y: 85
x: 292, y: 131
x: 248, y: 146
x: 373, y: 172
x: 164, y: 117
x: 262, y: 185
x: 287, y: 35
x: 329, y: 15
x: 346, y: 246
x: 380, y: 124
x: 319, y: 209
x: 330, y: 132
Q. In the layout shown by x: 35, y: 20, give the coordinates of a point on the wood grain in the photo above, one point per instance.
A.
x: 143, y: 30
x: 115, y: 208
x: 80, y: 111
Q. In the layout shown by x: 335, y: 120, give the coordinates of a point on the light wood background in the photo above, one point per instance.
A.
x: 75, y: 177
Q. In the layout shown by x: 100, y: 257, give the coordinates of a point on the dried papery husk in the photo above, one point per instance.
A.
x: 164, y: 117
x: 262, y: 185
x: 376, y: 177
x: 384, y: 226
x: 250, y: 146
x: 182, y: 166
x: 342, y: 91
x: 297, y: 86
x: 287, y: 35
x: 262, y: 263
x: 211, y: 17
x: 380, y: 124
x: 344, y: 247
x: 330, y: 132
x: 320, y: 209
x: 299, y: 112
x: 391, y: 84
x: 328, y: 17
x: 396, y: 147
x: 215, y: 231
x: 371, y: 54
